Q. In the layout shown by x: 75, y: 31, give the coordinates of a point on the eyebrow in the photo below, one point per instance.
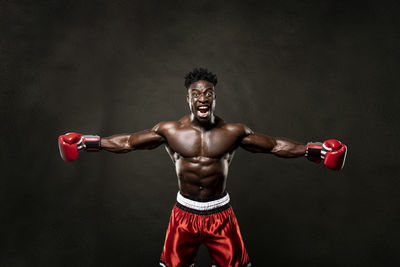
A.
x: 210, y: 88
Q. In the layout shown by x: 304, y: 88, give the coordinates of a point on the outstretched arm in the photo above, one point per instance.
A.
x: 281, y: 147
x: 71, y: 143
x: 332, y: 152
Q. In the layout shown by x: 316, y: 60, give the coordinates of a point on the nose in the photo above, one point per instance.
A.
x: 203, y: 99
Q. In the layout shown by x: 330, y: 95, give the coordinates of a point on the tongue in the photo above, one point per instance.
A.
x: 203, y: 110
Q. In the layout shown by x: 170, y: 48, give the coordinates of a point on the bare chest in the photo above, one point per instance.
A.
x: 214, y: 143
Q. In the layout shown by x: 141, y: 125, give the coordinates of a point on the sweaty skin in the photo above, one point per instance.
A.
x: 202, y: 145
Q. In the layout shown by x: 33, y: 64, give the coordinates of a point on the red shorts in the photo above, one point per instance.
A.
x: 212, y: 223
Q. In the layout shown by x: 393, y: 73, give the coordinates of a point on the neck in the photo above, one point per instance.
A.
x: 203, y: 124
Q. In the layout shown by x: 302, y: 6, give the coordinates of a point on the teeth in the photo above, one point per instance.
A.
x: 203, y: 107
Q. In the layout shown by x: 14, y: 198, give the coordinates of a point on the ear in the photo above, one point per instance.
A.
x: 187, y: 98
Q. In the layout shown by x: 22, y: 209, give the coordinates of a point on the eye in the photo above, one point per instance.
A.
x: 209, y: 94
x: 195, y: 95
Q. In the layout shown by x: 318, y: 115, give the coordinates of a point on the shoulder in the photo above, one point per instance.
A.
x: 165, y: 125
x: 237, y: 128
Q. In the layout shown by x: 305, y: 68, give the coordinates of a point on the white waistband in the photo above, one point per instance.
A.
x: 201, y: 206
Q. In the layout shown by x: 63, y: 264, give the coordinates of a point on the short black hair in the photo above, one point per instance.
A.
x: 198, y: 74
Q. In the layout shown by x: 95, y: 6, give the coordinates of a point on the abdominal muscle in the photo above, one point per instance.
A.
x: 202, y: 177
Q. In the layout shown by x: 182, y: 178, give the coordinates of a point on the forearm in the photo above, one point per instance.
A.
x: 287, y: 148
x: 117, y: 143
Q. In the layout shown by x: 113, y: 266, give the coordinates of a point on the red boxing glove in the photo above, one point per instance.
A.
x: 334, y: 154
x: 332, y: 151
x: 70, y: 144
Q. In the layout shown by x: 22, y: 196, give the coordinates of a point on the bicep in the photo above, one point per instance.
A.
x: 122, y: 143
x: 258, y: 143
x: 280, y: 147
x: 147, y: 139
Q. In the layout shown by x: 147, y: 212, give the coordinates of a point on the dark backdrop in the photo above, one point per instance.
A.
x: 306, y: 70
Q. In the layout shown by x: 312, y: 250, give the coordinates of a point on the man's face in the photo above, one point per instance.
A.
x: 201, y: 99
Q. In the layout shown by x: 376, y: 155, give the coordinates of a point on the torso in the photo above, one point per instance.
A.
x: 201, y: 156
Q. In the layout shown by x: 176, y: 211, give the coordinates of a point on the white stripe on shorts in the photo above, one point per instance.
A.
x: 202, y: 206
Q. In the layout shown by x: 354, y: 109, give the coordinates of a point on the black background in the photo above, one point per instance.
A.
x: 306, y: 70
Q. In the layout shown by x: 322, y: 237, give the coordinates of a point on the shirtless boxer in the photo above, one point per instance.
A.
x: 202, y: 145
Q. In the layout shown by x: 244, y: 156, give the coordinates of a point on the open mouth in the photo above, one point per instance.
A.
x: 203, y: 111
